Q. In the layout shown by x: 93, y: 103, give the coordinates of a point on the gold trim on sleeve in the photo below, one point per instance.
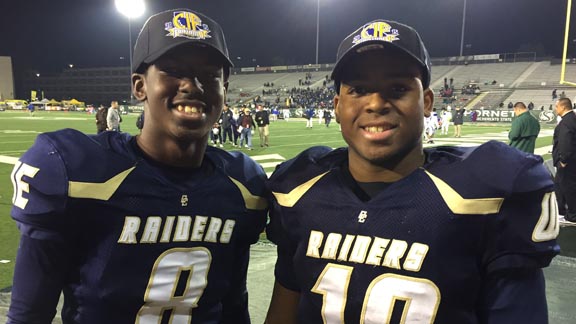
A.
x: 459, y: 205
x: 100, y: 191
x: 290, y: 199
x: 251, y: 201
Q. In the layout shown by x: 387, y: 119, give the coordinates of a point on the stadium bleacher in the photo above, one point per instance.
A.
x: 514, y: 81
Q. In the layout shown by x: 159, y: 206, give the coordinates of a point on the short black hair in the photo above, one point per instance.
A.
x: 566, y: 103
x: 520, y: 104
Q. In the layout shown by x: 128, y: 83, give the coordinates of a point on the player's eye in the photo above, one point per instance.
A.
x: 173, y: 72
x: 358, y: 90
x: 397, y: 91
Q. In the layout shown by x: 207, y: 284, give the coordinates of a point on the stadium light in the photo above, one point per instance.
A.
x: 317, y: 27
x: 463, y: 28
x: 131, y: 9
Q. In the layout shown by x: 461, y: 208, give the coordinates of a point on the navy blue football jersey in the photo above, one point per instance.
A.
x: 419, y: 251
x: 130, y: 240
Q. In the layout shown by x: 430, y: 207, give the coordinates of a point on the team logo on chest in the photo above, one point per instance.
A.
x: 184, y: 200
x: 362, y: 216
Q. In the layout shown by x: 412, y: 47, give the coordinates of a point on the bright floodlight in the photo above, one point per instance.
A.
x: 130, y: 8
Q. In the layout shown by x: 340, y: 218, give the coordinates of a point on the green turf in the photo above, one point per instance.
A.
x: 18, y: 131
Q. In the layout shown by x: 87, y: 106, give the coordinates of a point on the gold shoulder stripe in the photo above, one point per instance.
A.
x: 251, y: 201
x: 459, y: 205
x: 100, y: 191
x: 290, y: 199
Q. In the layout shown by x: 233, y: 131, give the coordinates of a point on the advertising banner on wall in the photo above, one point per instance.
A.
x: 506, y: 116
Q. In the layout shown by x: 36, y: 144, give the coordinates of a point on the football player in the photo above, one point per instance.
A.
x: 383, y: 231
x: 133, y: 229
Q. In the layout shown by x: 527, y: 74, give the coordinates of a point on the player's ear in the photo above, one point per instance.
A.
x: 428, y: 101
x: 336, y: 108
x: 138, y: 87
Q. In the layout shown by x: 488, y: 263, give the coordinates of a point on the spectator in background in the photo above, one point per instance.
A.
x: 309, y: 115
x: 226, y: 120
x: 101, y: 123
x: 327, y: 117
x: 274, y: 114
x: 524, y: 130
x: 554, y: 95
x: 531, y: 106
x: 564, y: 159
x: 113, y: 117
x: 458, y: 118
x: 216, y: 135
x: 246, y: 127
x: 263, y: 122
x: 31, y: 109
x: 286, y: 114
x: 445, y: 118
x: 430, y: 126
x: 510, y: 105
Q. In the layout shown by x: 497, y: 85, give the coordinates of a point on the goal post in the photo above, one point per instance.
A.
x: 566, y: 45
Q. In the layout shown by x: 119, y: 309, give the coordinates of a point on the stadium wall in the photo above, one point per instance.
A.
x: 6, y: 78
x: 506, y: 116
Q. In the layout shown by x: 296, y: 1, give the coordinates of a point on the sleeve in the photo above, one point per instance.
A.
x: 41, y: 269
x: 514, y: 297
x: 39, y: 180
x: 40, y: 190
x: 275, y: 231
x: 514, y: 131
x: 235, y: 304
x: 523, y: 234
x: 566, y: 144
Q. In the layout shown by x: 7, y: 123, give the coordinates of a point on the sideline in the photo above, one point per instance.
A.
x: 8, y: 159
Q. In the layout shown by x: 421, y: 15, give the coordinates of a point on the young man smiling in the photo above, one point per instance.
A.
x: 133, y: 229
x: 383, y: 231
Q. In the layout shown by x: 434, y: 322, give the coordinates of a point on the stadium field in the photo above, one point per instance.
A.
x: 287, y: 138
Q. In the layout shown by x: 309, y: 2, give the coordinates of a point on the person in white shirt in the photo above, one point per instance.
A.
x: 445, y: 118
x: 113, y: 117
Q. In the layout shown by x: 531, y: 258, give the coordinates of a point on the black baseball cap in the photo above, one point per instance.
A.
x: 169, y: 29
x: 382, y: 35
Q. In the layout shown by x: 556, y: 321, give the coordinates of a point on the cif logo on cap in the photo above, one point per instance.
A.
x: 187, y: 24
x: 377, y: 31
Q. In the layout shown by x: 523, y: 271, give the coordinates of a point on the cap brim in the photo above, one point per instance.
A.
x: 154, y: 56
x: 351, y: 52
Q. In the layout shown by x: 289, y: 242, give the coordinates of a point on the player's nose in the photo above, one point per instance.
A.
x: 377, y: 103
x: 190, y: 85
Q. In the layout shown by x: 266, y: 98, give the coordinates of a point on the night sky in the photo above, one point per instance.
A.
x: 46, y: 36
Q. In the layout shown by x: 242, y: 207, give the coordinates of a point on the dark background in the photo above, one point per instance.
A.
x: 46, y: 36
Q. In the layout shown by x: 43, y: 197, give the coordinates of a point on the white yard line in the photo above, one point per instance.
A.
x: 8, y: 159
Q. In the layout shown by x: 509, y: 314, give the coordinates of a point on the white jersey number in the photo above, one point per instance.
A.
x: 174, y: 265
x: 421, y: 297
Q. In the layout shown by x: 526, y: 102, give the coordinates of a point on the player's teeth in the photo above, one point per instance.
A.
x: 180, y: 108
x: 374, y: 129
x: 189, y: 109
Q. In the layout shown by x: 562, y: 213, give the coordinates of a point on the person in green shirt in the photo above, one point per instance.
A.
x: 524, y: 130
